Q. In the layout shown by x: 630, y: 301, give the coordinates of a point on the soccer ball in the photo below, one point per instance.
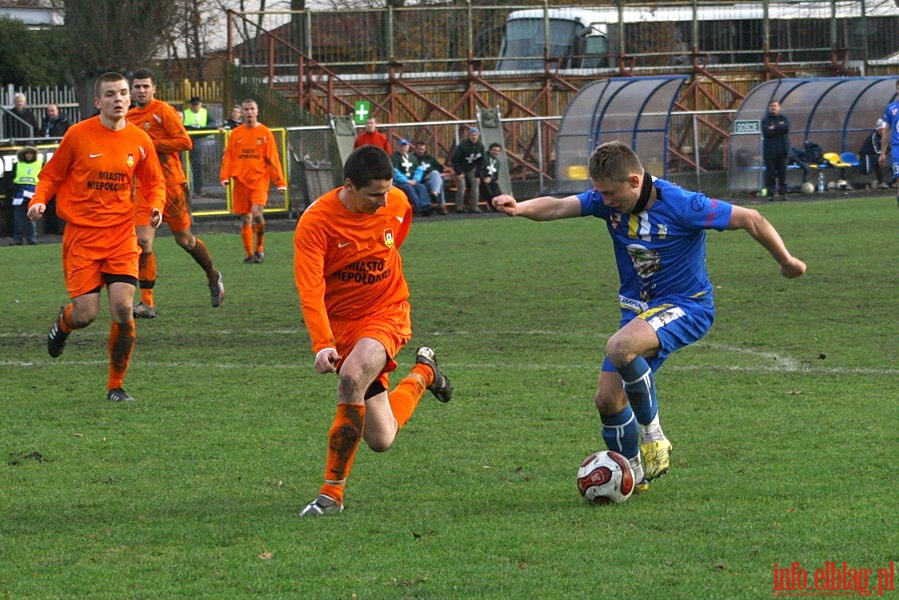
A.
x: 808, y: 187
x: 605, y: 477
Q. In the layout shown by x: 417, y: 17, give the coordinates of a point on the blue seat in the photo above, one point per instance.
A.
x: 849, y: 158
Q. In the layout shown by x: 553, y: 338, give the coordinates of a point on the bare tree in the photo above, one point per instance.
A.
x: 111, y: 35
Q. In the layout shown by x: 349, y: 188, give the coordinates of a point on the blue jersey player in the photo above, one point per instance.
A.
x: 658, y: 233
x: 890, y: 139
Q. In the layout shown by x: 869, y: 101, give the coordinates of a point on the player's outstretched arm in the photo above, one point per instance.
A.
x: 544, y: 208
x: 765, y: 234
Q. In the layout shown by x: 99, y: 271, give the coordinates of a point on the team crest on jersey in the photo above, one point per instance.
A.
x: 147, y: 125
x: 388, y: 237
x: 615, y: 220
x: 130, y: 160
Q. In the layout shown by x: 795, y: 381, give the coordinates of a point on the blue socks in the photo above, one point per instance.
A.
x: 640, y: 389
x: 620, y: 433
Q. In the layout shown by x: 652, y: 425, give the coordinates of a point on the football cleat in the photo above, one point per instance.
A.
x: 441, y: 388
x: 118, y: 395
x: 258, y: 257
x: 144, y: 311
x: 656, y: 458
x: 249, y: 260
x: 56, y: 339
x: 323, y: 505
x: 641, y: 486
x: 217, y: 291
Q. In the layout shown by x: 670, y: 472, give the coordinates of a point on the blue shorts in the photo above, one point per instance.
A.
x: 894, y: 161
x: 677, y: 320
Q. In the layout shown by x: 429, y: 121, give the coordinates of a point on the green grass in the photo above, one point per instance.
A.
x: 783, y: 419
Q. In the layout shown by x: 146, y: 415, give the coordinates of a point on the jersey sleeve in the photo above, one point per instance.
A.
x: 149, y: 174
x: 310, y: 247
x: 273, y: 158
x: 176, y: 138
x: 54, y: 172
x: 707, y: 213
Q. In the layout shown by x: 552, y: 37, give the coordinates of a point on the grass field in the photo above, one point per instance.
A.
x: 784, y: 421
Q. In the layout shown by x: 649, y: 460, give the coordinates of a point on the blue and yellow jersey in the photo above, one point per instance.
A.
x: 661, y: 251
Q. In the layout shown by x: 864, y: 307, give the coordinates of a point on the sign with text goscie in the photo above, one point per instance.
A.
x: 744, y: 127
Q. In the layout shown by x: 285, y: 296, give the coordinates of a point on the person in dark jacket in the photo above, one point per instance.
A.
x: 55, y: 124
x: 775, y: 150
x: 869, y: 156
x: 19, y: 121
x: 466, y: 161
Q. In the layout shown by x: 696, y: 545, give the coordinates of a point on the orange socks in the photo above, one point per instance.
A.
x: 121, y: 344
x: 246, y: 235
x: 405, y: 396
x: 343, y: 442
x: 259, y: 231
x: 65, y: 318
x: 146, y: 275
x: 200, y: 253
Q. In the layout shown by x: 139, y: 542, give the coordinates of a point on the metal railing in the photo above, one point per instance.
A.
x: 443, y: 38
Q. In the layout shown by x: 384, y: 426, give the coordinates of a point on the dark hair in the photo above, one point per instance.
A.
x: 367, y: 163
x: 495, y: 145
x: 143, y: 74
x: 107, y: 77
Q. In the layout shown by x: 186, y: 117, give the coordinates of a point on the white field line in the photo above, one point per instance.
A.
x: 781, y: 362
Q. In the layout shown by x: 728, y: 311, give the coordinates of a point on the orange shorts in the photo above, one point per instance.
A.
x: 176, y: 212
x: 393, y: 328
x: 90, y: 252
x: 243, y: 197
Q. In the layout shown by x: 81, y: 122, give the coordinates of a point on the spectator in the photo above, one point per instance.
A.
x: 407, y: 174
x: 869, y: 155
x: 234, y: 120
x: 466, y: 160
x: 55, y: 124
x: 28, y: 166
x: 371, y: 135
x: 19, y: 121
x: 196, y: 118
x: 432, y: 175
x: 252, y: 160
x: 775, y: 150
x: 490, y: 175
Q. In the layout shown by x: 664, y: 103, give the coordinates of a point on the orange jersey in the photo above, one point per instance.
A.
x: 163, y: 124
x: 93, y: 171
x: 252, y: 158
x: 347, y: 266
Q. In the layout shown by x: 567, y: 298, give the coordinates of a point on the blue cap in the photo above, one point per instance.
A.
x: 404, y: 142
x: 474, y: 130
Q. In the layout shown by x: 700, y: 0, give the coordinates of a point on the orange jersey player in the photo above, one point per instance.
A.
x: 355, y: 303
x: 92, y: 174
x: 163, y: 124
x: 251, y: 159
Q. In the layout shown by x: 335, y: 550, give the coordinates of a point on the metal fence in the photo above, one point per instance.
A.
x: 451, y: 38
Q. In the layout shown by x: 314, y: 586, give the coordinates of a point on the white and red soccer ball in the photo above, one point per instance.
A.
x: 605, y: 477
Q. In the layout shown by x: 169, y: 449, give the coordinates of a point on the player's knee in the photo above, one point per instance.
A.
x: 379, y: 443
x: 185, y: 239
x: 618, y: 349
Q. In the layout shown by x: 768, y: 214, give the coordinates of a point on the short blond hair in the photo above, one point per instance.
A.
x: 614, y: 161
